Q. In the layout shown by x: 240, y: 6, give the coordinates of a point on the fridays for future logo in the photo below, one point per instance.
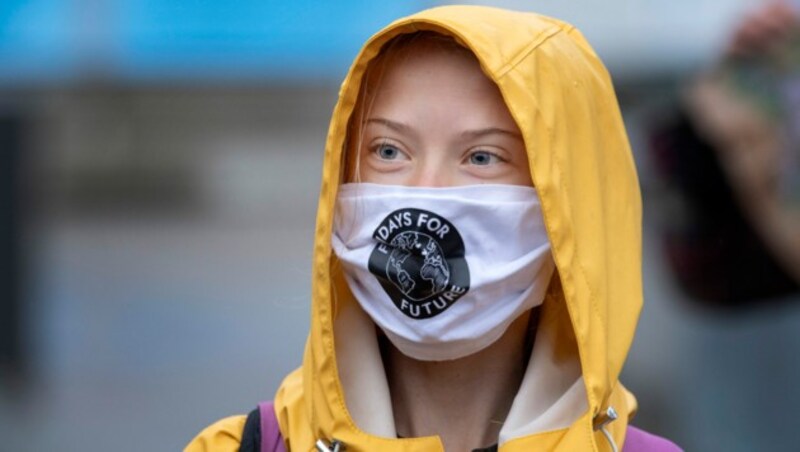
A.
x: 419, y: 261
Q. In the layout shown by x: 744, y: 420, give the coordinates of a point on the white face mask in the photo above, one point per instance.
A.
x: 442, y: 271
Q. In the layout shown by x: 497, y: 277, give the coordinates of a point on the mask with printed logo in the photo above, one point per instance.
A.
x: 442, y: 271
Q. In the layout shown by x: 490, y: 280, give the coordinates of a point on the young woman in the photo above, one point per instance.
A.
x: 477, y: 262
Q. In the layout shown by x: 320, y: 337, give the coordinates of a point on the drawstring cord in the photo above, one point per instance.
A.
x: 600, y: 424
x: 335, y: 446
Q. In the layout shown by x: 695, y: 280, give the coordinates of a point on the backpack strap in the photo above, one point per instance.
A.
x: 640, y: 441
x: 271, y: 438
x: 261, y: 431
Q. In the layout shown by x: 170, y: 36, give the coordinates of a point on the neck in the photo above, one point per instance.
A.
x: 463, y: 401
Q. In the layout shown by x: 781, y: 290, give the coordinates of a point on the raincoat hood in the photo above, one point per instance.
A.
x: 562, y: 99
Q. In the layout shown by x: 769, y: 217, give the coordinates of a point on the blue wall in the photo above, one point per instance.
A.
x: 57, y: 40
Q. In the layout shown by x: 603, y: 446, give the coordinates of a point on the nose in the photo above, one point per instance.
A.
x: 431, y: 173
x: 435, y: 177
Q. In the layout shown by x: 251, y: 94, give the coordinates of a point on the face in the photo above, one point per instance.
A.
x: 434, y: 119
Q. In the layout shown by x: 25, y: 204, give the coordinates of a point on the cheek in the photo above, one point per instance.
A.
x: 519, y: 171
x: 522, y: 176
x: 519, y: 176
x: 505, y: 173
x: 372, y: 176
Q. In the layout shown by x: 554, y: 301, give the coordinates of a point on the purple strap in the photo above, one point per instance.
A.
x: 271, y: 438
x: 640, y: 441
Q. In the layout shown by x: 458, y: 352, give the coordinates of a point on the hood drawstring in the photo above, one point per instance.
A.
x: 335, y: 446
x: 603, y: 419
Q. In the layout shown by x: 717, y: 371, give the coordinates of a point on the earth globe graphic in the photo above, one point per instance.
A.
x: 417, y: 265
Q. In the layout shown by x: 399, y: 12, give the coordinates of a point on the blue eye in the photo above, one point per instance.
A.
x: 482, y: 158
x: 388, y: 152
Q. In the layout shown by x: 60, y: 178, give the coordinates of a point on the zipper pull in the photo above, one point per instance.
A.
x: 335, y: 446
x: 603, y: 419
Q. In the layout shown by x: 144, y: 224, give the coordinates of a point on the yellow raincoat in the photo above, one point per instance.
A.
x: 562, y: 99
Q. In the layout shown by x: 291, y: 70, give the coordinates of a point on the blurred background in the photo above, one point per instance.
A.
x: 159, y: 168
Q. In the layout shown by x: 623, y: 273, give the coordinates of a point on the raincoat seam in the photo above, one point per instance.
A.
x: 568, y: 29
x: 520, y: 56
x: 581, y: 353
x: 593, y: 402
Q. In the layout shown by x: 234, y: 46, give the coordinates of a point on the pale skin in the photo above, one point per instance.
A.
x: 436, y: 120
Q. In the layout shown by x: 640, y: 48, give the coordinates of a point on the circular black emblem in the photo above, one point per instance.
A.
x: 419, y: 261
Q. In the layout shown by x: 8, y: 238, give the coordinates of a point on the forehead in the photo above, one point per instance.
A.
x: 423, y: 55
x: 431, y: 73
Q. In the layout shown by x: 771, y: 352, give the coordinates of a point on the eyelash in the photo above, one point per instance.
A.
x: 499, y: 158
x: 376, y: 149
x: 472, y: 154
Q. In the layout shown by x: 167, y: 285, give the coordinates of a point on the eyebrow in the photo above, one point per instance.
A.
x: 479, y: 133
x: 467, y: 134
x: 394, y: 125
